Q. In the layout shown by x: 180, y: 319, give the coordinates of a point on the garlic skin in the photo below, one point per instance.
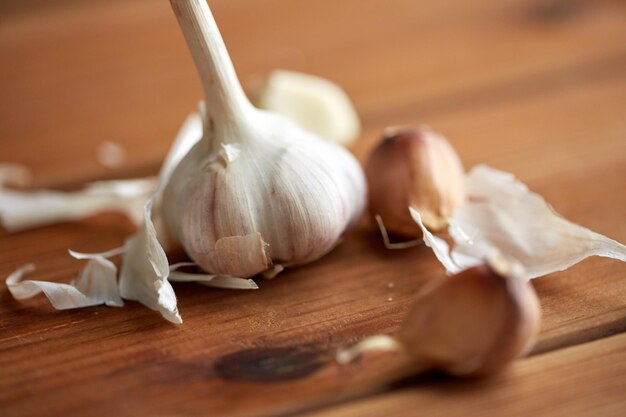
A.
x: 415, y: 168
x: 95, y: 285
x: 257, y: 190
x: 475, y: 322
x: 502, y: 216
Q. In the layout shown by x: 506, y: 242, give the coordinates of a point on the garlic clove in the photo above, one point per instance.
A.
x: 474, y: 322
x: 502, y: 214
x: 96, y: 284
x: 414, y: 168
x: 316, y: 104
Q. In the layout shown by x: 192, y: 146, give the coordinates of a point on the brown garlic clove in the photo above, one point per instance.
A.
x: 474, y: 322
x: 416, y: 168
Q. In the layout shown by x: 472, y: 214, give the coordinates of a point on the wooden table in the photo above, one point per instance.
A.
x: 534, y: 87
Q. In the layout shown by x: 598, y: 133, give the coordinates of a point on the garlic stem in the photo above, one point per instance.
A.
x: 226, y: 103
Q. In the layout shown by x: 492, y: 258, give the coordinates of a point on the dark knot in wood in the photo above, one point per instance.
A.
x: 269, y: 364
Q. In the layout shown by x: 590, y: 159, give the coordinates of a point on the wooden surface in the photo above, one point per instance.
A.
x: 590, y: 382
x: 535, y: 87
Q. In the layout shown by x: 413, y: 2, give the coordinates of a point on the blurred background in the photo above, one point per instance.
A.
x: 508, y: 81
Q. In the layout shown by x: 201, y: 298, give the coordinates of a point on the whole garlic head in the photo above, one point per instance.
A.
x: 415, y: 168
x: 258, y: 192
x: 318, y: 105
x: 274, y: 195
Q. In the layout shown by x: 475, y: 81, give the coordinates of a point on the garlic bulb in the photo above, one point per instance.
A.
x: 95, y: 285
x: 414, y: 168
x: 257, y: 192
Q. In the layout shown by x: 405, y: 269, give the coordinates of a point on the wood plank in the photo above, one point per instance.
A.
x: 551, y: 110
x: 579, y: 381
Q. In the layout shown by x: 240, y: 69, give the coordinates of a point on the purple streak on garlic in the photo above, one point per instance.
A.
x: 257, y: 190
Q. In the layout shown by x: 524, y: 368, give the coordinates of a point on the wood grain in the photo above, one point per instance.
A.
x: 578, y: 381
x: 533, y: 87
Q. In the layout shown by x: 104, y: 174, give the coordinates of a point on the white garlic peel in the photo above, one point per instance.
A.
x: 22, y: 210
x: 316, y: 104
x: 502, y: 216
x: 145, y: 270
x: 97, y: 284
x: 284, y: 197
